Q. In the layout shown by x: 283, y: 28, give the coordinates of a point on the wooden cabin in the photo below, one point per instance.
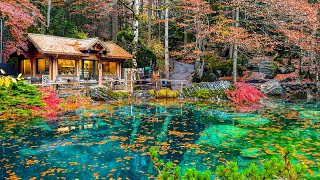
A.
x: 69, y: 58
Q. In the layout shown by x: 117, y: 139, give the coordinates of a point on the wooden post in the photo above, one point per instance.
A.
x: 33, y: 66
x: 50, y: 68
x: 78, y: 61
x: 54, y: 69
x: 100, y: 73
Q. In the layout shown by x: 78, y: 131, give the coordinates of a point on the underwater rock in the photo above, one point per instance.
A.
x: 251, y: 153
x: 28, y: 152
x: 222, y: 136
x: 67, y: 113
x: 43, y: 126
x: 253, y: 121
x: 239, y: 115
x: 310, y: 114
x: 201, y: 159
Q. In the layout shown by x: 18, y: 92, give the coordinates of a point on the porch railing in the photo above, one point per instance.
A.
x: 118, y: 85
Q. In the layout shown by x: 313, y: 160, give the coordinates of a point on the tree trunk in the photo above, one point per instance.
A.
x: 135, y: 28
x: 1, y: 40
x: 166, y: 42
x: 115, y: 25
x: 231, y: 45
x: 48, y: 15
x: 185, y: 38
x: 149, y: 20
x: 141, y: 8
x: 124, y: 25
x: 199, y: 65
x: 235, y: 49
x: 313, y: 53
x: 159, y: 17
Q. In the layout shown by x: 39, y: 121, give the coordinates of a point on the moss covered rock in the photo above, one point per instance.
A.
x: 310, y: 114
x: 252, y: 121
x: 222, y: 136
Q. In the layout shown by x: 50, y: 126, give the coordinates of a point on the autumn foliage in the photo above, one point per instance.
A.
x: 51, y: 104
x: 18, y: 15
x: 244, y: 94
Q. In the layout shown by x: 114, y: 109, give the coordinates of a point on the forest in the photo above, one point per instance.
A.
x: 220, y: 37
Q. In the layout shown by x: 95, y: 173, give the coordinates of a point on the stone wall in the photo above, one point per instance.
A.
x: 301, y: 90
x: 289, y: 87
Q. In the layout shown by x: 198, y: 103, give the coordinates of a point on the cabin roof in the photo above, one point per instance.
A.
x: 117, y: 52
x: 47, y: 44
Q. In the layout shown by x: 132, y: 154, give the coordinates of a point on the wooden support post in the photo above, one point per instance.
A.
x: 54, y: 69
x: 100, y: 73
x: 33, y: 67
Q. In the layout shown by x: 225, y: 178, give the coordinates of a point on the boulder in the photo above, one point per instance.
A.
x: 283, y: 70
x: 263, y: 65
x: 272, y: 88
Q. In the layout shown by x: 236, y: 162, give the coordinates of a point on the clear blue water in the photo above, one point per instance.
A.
x: 111, y: 141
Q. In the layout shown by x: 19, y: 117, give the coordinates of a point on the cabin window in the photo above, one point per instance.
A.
x: 66, y: 67
x: 109, y: 68
x: 42, y: 66
x: 26, y: 67
x: 89, y: 69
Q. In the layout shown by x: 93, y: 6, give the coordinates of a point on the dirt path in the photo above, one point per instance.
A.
x: 181, y: 71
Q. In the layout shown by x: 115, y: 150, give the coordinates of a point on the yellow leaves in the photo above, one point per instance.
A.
x: 14, y: 80
x: 116, y: 138
x: 96, y: 175
x: 50, y: 171
x: 127, y: 158
x: 13, y: 176
x: 73, y: 163
x: 20, y: 77
x: 30, y: 162
x: 163, y: 152
x: 113, y: 170
x: 269, y: 152
x: 200, y: 152
x: 180, y: 134
x: 6, y: 80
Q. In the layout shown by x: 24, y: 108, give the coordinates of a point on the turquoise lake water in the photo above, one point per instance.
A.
x: 112, y: 141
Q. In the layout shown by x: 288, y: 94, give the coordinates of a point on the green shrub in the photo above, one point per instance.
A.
x: 166, y: 93
x: 121, y: 94
x: 275, y: 168
x: 208, y: 94
x: 171, y: 171
x: 152, y: 92
x: 215, y: 64
x: 144, y: 54
x: 18, y: 95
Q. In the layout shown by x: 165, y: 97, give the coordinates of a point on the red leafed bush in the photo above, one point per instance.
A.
x: 50, y: 98
x: 51, y: 102
x: 244, y: 94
